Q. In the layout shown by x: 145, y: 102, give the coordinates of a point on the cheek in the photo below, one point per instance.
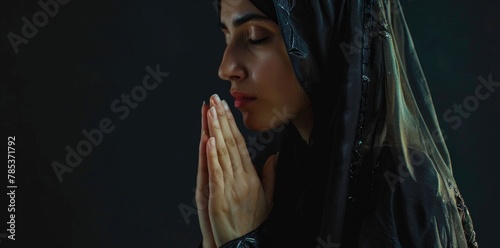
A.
x: 276, y: 79
x: 274, y: 72
x: 278, y: 90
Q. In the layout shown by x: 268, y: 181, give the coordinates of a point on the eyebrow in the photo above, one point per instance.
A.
x: 244, y: 19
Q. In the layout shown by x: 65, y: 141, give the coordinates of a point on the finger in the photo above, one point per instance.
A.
x: 222, y: 151
x: 268, y: 178
x: 202, y: 193
x: 227, y: 135
x: 215, y: 173
x: 239, y: 140
x: 204, y: 124
x: 202, y: 157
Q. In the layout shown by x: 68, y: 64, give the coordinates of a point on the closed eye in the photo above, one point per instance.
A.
x: 257, y: 42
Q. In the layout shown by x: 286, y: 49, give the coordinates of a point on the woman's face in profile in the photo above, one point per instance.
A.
x: 256, y: 63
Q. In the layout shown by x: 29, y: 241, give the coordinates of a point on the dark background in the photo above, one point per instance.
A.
x: 130, y: 190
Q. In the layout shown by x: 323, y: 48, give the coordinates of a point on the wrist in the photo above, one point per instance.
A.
x: 208, y: 244
x: 252, y: 239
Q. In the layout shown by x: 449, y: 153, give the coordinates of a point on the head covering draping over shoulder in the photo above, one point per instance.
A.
x: 387, y: 172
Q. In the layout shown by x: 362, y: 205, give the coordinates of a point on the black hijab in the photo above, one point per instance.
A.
x: 388, y: 175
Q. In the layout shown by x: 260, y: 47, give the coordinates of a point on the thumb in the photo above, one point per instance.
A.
x: 268, y: 177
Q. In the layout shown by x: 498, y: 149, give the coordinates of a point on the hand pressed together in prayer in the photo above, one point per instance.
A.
x: 231, y: 198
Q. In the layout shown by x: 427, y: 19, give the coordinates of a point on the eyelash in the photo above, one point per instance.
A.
x: 257, y: 42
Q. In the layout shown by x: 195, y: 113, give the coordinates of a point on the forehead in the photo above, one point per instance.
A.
x: 233, y: 9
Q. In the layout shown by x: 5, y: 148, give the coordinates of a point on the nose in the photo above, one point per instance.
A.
x: 231, y: 67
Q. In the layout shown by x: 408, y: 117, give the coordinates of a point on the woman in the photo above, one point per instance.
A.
x: 358, y: 159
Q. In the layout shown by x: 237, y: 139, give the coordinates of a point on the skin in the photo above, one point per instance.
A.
x: 231, y: 199
x: 256, y: 62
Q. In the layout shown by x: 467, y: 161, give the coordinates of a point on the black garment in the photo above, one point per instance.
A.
x: 377, y: 172
x: 299, y: 195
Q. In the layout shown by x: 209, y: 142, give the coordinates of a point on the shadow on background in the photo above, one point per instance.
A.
x: 105, y: 158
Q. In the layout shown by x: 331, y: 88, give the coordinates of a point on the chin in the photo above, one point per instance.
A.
x: 257, y: 124
x: 251, y: 124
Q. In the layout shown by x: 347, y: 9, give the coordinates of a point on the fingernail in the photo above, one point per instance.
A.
x: 212, y: 141
x: 217, y: 98
x: 213, y: 112
x: 203, y: 104
x: 224, y: 103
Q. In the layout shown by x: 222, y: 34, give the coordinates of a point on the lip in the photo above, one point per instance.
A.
x: 242, y: 99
